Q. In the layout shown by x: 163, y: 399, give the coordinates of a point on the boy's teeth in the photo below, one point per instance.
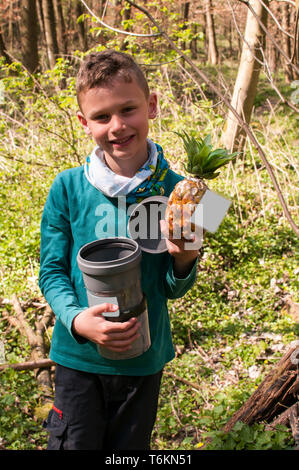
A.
x: 121, y: 141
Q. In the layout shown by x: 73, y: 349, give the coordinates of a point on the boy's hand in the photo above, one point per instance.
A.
x: 116, y: 336
x: 184, y: 252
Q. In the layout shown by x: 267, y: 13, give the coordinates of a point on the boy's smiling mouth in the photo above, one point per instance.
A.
x: 122, y: 142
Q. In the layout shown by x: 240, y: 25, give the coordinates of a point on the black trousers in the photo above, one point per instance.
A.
x: 102, y: 412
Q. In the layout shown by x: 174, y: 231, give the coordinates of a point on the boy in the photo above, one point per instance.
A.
x: 102, y: 403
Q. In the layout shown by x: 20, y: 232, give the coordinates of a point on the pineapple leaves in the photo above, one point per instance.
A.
x: 211, y: 175
x: 217, y: 163
x: 202, y: 160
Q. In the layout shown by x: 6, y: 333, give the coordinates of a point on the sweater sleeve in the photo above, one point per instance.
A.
x: 174, y: 287
x: 56, y: 240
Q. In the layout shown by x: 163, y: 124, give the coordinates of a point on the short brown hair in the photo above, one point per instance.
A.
x: 100, y: 68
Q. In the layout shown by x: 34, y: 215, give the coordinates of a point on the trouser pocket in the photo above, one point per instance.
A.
x: 56, y: 425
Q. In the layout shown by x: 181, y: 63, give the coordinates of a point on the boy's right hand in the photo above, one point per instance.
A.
x: 116, y: 336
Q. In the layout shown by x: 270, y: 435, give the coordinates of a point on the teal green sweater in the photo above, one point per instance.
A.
x: 70, y: 220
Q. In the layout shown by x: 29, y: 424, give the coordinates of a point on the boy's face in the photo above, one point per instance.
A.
x: 117, y: 118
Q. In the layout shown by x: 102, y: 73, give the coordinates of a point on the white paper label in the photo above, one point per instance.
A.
x: 97, y: 300
x: 211, y: 211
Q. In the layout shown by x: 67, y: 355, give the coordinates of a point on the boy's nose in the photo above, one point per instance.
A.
x: 117, y: 124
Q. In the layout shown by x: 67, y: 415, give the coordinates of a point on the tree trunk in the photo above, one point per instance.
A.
x: 3, y: 52
x: 81, y: 27
x: 29, y: 34
x: 98, y: 7
x: 116, y: 13
x: 230, y: 38
x: 247, y: 78
x: 272, y: 57
x: 294, y: 20
x: 193, y: 43
x: 50, y: 31
x: 272, y: 53
x: 210, y: 31
x: 61, y: 33
x: 186, y: 9
x: 11, y: 15
x: 41, y: 22
x: 278, y: 391
x: 286, y: 42
x: 126, y: 16
x: 275, y: 401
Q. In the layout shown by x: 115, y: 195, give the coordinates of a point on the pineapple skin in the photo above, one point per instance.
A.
x: 183, y: 200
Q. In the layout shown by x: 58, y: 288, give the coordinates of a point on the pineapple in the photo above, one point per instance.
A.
x: 186, y: 195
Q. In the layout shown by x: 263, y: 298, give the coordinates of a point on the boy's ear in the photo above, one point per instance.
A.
x: 152, y: 105
x: 83, y: 122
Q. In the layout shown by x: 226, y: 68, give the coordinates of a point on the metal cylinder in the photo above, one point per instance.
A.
x: 111, y: 273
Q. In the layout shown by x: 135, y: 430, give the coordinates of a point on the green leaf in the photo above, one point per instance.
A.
x: 216, y: 153
x: 246, y: 434
x: 217, y: 163
x: 238, y: 426
x: 210, y: 175
x: 197, y: 170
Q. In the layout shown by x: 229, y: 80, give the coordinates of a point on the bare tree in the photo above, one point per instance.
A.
x: 3, y: 52
x: 81, y: 27
x: 185, y: 14
x: 272, y: 54
x: 116, y: 12
x: 61, y: 32
x: 29, y: 35
x: 286, y: 42
x: 210, y: 32
x: 50, y: 31
x: 247, y: 78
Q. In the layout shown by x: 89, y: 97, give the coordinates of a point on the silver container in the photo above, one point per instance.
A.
x: 111, y: 273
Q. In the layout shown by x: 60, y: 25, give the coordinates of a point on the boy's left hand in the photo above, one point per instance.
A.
x: 184, y: 252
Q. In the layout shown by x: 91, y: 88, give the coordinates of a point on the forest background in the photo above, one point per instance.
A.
x: 239, y: 319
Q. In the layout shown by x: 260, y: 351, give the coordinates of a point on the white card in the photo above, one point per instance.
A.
x: 210, y: 211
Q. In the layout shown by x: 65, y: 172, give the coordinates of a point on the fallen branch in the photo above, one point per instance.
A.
x: 36, y: 342
x: 275, y: 401
x: 282, y: 419
x: 29, y: 365
x: 180, y: 379
x: 294, y: 423
x: 21, y: 323
x: 277, y: 392
x: 46, y: 363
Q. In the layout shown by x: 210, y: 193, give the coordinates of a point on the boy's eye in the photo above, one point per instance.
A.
x: 128, y: 109
x: 102, y: 117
